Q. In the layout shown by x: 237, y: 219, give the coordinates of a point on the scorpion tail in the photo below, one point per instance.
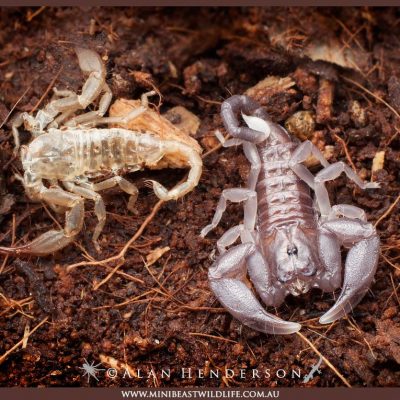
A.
x: 47, y: 243
x: 193, y: 160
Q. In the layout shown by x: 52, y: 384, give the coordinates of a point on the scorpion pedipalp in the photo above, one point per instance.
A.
x: 90, y: 63
x: 361, y: 263
x: 227, y: 282
x: 54, y: 240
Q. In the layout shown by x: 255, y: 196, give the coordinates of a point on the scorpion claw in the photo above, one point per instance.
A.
x: 90, y: 63
x: 47, y: 243
x: 226, y: 281
x: 360, y: 268
x: 237, y: 298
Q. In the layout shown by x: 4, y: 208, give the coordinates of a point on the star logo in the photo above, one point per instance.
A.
x: 91, y: 370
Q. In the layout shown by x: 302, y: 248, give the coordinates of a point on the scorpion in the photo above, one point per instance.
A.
x: 289, y: 243
x: 68, y: 151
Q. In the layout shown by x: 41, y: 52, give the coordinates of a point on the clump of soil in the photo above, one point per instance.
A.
x: 164, y: 316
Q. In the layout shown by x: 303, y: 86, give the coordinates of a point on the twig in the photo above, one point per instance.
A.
x: 346, y: 151
x: 373, y: 95
x: 212, y: 337
x: 122, y: 253
x: 389, y: 262
x: 108, y: 277
x: 378, y: 99
x: 388, y: 211
x: 124, y: 303
x: 8, y: 352
x: 395, y: 289
x: 51, y: 84
x: 13, y: 108
x: 208, y: 309
x: 327, y: 362
x: 217, y: 147
x: 30, y: 15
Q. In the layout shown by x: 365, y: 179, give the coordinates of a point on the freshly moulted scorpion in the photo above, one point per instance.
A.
x: 68, y: 151
x: 289, y: 244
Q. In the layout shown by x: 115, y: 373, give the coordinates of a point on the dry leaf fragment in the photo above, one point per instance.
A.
x: 183, y: 119
x: 152, y: 122
x: 157, y: 253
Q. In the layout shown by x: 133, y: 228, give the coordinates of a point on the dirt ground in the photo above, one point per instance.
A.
x: 341, y: 65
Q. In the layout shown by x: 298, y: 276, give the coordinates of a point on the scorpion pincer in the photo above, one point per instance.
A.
x: 68, y: 150
x: 288, y: 244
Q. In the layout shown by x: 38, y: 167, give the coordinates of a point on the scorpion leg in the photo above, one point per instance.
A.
x: 55, y: 240
x: 227, y: 280
x: 135, y: 113
x: 99, y: 208
x: 95, y: 118
x: 92, y: 116
x: 235, y: 195
x: 18, y: 121
x: 63, y: 93
x: 330, y: 172
x: 54, y: 184
x: 125, y: 185
x: 232, y: 234
x: 361, y: 262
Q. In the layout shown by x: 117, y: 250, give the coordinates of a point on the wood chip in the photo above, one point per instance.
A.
x: 301, y: 124
x: 26, y: 335
x: 378, y: 161
x: 325, y: 100
x: 268, y: 87
x: 183, y: 119
x: 357, y: 114
x: 157, y: 253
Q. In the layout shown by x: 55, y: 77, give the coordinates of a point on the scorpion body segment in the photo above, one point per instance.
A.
x: 283, y: 197
x: 66, y: 155
x: 290, y: 243
x: 69, y: 150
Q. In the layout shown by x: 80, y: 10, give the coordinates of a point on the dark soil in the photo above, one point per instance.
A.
x: 197, y: 58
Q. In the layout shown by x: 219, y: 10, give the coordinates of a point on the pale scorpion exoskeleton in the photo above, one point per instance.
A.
x: 74, y: 152
x: 289, y: 245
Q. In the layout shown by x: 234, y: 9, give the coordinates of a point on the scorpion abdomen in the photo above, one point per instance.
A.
x: 115, y: 149
x: 283, y: 198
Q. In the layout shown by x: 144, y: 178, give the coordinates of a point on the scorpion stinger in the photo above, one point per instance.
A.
x: 288, y: 245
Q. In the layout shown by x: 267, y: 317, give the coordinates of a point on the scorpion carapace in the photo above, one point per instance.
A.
x: 289, y: 242
x: 68, y: 150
